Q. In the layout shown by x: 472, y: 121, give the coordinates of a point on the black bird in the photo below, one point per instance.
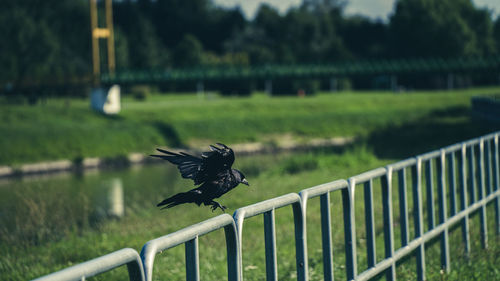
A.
x: 212, y: 170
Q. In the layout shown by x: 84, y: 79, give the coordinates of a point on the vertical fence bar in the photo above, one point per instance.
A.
x: 388, y: 228
x: 135, y: 272
x: 487, y: 167
x: 452, y: 183
x: 403, y: 207
x: 232, y: 249
x: 463, y: 197
x: 496, y: 180
x: 370, y: 224
x: 429, y: 184
x: 418, y: 216
x: 192, y: 260
x: 472, y: 175
x: 326, y: 236
x: 349, y: 230
x: 270, y: 244
x: 299, y: 221
x: 445, y: 249
x: 482, y: 212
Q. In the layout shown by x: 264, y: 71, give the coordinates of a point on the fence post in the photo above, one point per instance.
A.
x: 299, y: 217
x: 472, y: 177
x: 192, y: 260
x: 270, y: 241
x: 239, y: 217
x: 430, y: 194
x: 326, y: 236
x: 482, y: 212
x: 388, y: 221
x: 496, y: 180
x: 463, y: 197
x: 349, y: 230
x: 487, y: 167
x: 370, y: 224
x: 418, y: 216
x: 445, y: 249
x: 232, y: 248
x: 452, y: 183
x: 403, y: 207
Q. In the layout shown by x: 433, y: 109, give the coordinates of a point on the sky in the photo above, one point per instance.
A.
x: 376, y: 9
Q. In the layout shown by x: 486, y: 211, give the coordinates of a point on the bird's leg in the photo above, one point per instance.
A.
x: 216, y: 205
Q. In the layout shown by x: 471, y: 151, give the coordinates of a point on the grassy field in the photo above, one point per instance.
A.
x: 68, y: 129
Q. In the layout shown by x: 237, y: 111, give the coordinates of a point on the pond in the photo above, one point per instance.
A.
x: 36, y: 208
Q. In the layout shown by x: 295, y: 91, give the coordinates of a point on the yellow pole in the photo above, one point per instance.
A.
x: 111, y: 40
x: 95, y: 41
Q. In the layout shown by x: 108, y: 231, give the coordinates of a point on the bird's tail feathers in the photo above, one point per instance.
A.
x: 177, y: 199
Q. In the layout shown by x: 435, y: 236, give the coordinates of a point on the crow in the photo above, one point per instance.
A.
x: 212, y: 171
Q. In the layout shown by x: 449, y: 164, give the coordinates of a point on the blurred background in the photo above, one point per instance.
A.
x: 48, y: 43
x: 305, y: 92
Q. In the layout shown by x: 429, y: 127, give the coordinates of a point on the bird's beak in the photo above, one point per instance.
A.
x: 244, y: 181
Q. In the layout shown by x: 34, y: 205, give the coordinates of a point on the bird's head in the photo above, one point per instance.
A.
x: 240, y: 177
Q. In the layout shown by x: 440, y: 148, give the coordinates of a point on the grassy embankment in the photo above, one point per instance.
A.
x: 67, y: 129
x: 392, y: 127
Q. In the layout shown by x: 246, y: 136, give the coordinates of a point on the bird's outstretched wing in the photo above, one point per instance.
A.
x: 189, y: 166
x: 201, y: 169
x: 221, y: 157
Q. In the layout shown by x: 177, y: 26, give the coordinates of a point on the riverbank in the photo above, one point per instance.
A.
x: 285, y: 144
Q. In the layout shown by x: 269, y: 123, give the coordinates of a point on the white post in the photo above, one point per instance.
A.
x: 333, y: 84
x: 200, y: 89
x: 269, y: 87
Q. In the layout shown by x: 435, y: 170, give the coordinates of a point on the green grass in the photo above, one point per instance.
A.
x: 68, y: 129
x: 270, y: 176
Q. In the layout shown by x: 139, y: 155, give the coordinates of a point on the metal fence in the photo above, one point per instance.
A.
x: 466, y: 176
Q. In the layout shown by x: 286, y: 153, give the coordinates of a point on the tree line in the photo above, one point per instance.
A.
x: 50, y: 39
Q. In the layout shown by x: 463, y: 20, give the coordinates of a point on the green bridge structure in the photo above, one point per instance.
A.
x: 240, y: 77
x: 465, y: 65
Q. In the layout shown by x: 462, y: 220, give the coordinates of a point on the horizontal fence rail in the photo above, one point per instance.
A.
x: 108, y: 262
x: 466, y: 176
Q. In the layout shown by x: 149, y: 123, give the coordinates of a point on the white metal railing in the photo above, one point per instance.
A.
x: 477, y: 174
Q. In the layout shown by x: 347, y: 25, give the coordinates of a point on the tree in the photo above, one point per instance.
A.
x: 144, y: 46
x: 313, y: 37
x: 479, y: 20
x: 44, y: 43
x: 496, y: 32
x: 364, y: 38
x: 259, y: 38
x: 188, y: 53
x: 442, y: 28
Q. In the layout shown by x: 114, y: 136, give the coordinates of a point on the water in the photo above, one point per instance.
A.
x: 40, y: 208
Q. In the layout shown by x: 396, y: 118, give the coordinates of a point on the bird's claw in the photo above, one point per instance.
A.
x: 216, y: 205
